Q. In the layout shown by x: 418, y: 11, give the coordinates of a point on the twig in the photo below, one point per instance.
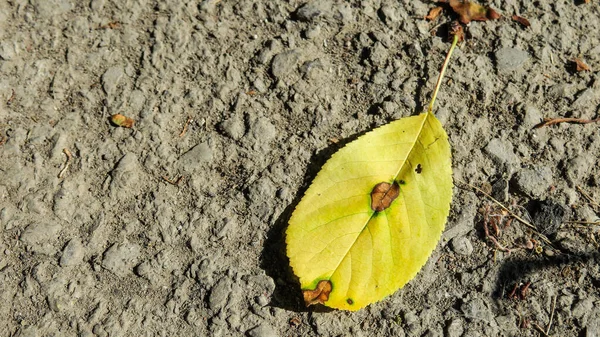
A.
x: 585, y: 223
x: 493, y: 239
x: 587, y: 196
x: 523, y: 221
x: 173, y: 182
x: 551, y: 315
x: 540, y: 329
x: 67, y: 163
x: 553, y: 121
x: 111, y: 25
x: 11, y: 98
x: 524, y: 289
x: 185, y: 127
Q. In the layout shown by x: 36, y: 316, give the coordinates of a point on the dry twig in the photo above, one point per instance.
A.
x: 588, y: 197
x: 554, y: 121
x: 11, y: 98
x: 173, y: 182
x: 520, y: 219
x: 111, y: 25
x: 185, y: 127
x: 540, y: 329
x: 67, y: 163
x: 551, y: 315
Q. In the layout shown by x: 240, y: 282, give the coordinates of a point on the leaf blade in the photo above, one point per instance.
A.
x: 368, y: 248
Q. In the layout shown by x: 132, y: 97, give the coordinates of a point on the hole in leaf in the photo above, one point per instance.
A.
x: 419, y: 169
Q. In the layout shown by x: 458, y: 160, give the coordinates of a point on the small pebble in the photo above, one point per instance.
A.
x: 72, y: 254
x: 462, y: 245
x: 510, y: 58
x: 285, y: 63
x: 502, y: 152
x: 263, y: 330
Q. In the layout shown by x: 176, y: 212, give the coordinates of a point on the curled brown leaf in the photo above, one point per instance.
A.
x: 524, y: 22
x: 434, y: 13
x: 469, y: 11
x: 122, y: 121
x: 580, y: 65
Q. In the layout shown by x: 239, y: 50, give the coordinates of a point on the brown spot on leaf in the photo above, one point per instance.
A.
x: 469, y: 11
x: 383, y: 194
x: 419, y: 169
x: 521, y: 20
x: 319, y: 295
x: 350, y: 301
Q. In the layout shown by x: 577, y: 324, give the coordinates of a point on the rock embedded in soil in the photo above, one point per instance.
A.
x: 219, y: 294
x: 308, y: 11
x: 233, y: 127
x: 462, y: 246
x: 111, y: 78
x: 40, y: 235
x: 455, y: 328
x: 476, y: 310
x: 263, y: 330
x: 285, y: 63
x: 532, y: 117
x: 510, y: 58
x: 193, y: 159
x: 548, y: 215
x: 534, y: 182
x: 502, y: 152
x: 72, y: 253
x: 126, y: 176
x: 120, y: 258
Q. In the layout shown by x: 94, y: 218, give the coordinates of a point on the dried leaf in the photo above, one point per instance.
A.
x: 469, y: 11
x: 580, y: 65
x: 521, y: 20
x: 434, y: 13
x: 122, y: 121
x: 458, y: 30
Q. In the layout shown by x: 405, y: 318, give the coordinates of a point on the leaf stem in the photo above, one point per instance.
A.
x: 444, y: 66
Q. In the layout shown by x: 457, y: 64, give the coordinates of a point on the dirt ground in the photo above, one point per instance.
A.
x: 175, y: 226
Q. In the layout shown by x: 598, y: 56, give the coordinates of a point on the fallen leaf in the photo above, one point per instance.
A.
x: 122, y: 121
x: 524, y: 22
x: 456, y: 29
x: 469, y: 11
x: 580, y: 65
x: 373, y: 214
x: 434, y: 13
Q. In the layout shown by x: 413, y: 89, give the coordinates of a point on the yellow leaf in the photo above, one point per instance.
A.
x: 373, y: 214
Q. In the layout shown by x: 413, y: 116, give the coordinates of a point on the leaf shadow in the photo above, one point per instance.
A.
x: 273, y: 259
x: 517, y: 270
